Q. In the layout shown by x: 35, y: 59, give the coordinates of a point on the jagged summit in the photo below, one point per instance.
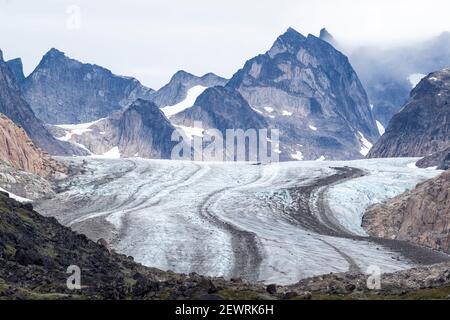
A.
x: 54, y: 53
x: 288, y: 41
x: 326, y: 36
x: 309, y: 90
x: 1, y: 55
x: 181, y: 74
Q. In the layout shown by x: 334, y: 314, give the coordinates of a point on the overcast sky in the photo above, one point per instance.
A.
x: 152, y: 39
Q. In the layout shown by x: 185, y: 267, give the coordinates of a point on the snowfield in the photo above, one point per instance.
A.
x: 233, y: 219
x: 192, y: 95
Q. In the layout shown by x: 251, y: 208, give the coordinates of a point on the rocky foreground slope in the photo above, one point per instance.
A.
x: 36, y: 251
x: 422, y: 126
x: 18, y: 150
x: 421, y: 215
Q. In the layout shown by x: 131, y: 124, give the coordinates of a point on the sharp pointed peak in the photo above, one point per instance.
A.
x: 326, y: 36
x: 53, y: 52
x: 1, y: 56
x: 181, y: 74
x: 292, y: 33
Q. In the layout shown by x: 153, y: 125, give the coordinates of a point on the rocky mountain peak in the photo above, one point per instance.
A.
x: 54, y: 53
x: 64, y: 90
x: 309, y: 90
x: 1, y: 56
x: 181, y: 74
x: 288, y: 41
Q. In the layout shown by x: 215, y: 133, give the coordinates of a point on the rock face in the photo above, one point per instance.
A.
x: 17, y: 109
x: 422, y: 126
x: 309, y: 90
x: 16, y: 67
x: 421, y: 215
x: 176, y: 90
x: 440, y: 159
x: 141, y: 130
x: 65, y: 91
x: 18, y: 150
x: 389, y: 75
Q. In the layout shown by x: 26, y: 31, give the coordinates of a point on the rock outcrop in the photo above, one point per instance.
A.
x: 17, y: 109
x: 440, y: 160
x: 17, y: 149
x: 16, y: 67
x: 421, y: 215
x: 310, y: 92
x: 141, y: 130
x: 25, y: 184
x: 422, y: 126
x: 65, y: 91
x: 177, y: 88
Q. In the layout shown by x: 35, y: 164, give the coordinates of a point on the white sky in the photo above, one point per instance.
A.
x: 152, y: 39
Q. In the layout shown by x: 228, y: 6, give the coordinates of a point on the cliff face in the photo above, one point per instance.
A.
x: 421, y: 215
x: 422, y: 126
x: 65, y: 91
x: 18, y: 150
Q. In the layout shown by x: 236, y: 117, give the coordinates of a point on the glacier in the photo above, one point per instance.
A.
x: 233, y: 219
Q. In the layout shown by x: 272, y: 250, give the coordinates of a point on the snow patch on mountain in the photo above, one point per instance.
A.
x: 297, y: 156
x: 366, y: 144
x: 192, y: 95
x: 380, y: 127
x: 312, y: 128
x: 75, y: 129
